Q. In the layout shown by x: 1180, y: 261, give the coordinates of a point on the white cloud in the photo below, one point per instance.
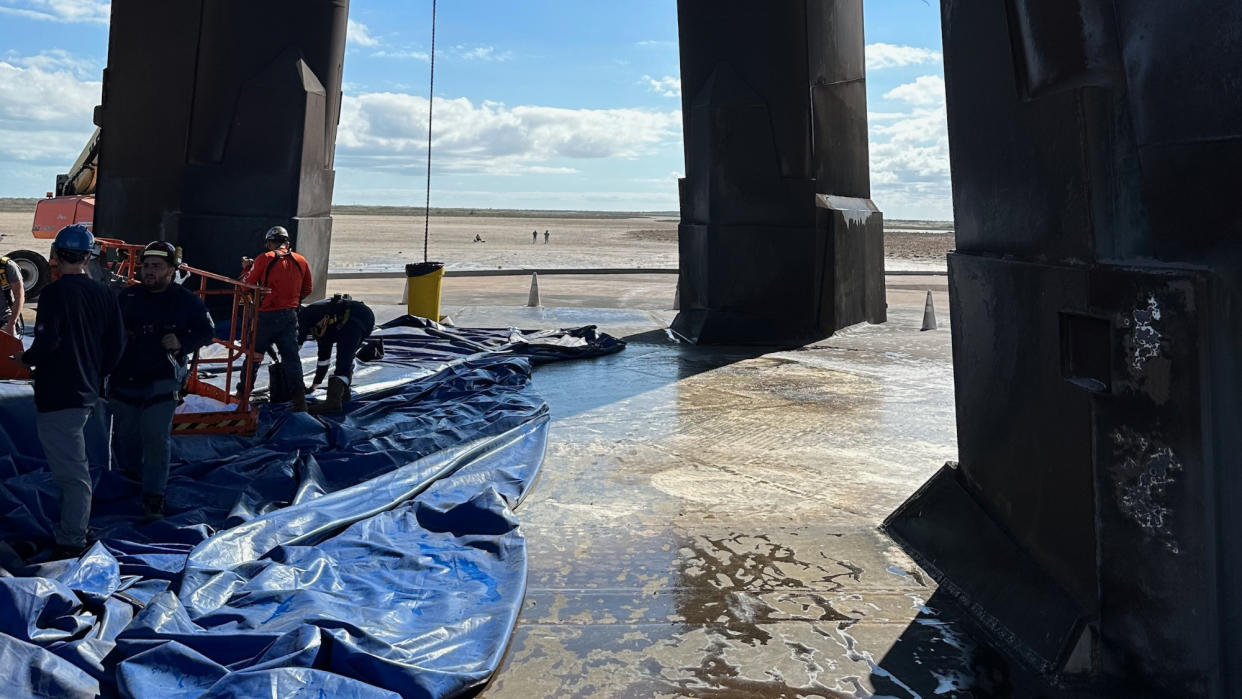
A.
x: 612, y: 200
x: 925, y: 91
x: 357, y: 33
x: 460, y: 52
x: 404, y: 55
x: 910, y: 153
x: 45, y: 117
x: 92, y: 11
x: 881, y: 56
x: 656, y: 43
x: 34, y: 98
x: 666, y: 86
x: 57, y: 61
x: 545, y: 170
x: 53, y: 150
x: 482, y: 53
x: 671, y: 177
x: 388, y: 131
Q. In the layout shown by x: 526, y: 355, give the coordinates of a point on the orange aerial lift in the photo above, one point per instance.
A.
x: 72, y: 202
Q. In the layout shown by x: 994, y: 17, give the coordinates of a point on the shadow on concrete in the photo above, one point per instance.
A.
x: 941, y: 653
x: 913, y: 665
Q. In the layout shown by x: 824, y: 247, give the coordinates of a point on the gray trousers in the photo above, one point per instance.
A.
x: 140, y: 437
x: 61, y: 433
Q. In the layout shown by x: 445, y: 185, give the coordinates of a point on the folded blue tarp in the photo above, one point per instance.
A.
x: 372, y: 554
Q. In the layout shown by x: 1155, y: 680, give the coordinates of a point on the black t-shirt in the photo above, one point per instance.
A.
x: 79, y: 336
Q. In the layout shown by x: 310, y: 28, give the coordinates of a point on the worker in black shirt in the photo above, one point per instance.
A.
x: 78, y: 340
x: 165, y: 323
x: 339, y: 321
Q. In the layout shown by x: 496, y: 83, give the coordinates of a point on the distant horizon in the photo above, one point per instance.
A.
x: 23, y: 204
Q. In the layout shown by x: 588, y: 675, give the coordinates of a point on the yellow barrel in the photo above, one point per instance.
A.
x: 422, y: 281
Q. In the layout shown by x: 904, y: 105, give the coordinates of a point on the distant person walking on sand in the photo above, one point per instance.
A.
x: 534, y: 237
x: 545, y: 237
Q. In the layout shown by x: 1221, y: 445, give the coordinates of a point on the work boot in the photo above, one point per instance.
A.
x: 152, y: 506
x: 337, y: 392
x: 299, y: 402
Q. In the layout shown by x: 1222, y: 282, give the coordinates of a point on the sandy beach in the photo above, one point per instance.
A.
x: 385, y: 241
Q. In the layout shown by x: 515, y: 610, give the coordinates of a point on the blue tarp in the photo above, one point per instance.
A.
x: 372, y: 554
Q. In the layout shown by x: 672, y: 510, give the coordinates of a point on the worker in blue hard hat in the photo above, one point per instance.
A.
x: 79, y: 337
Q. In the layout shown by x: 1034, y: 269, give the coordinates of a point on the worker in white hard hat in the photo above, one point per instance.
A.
x: 165, y: 323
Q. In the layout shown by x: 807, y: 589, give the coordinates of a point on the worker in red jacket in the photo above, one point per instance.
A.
x: 288, y: 275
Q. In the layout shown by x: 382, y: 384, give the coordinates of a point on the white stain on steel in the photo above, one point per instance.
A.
x: 1141, y: 477
x: 1146, y: 337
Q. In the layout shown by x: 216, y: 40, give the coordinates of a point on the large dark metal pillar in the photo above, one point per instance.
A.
x: 779, y: 241
x: 219, y: 120
x: 1096, y: 293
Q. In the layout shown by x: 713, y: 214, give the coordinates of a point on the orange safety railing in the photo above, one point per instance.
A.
x: 123, y: 260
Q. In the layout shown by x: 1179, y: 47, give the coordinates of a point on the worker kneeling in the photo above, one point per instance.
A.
x: 164, y: 324
x: 339, y: 321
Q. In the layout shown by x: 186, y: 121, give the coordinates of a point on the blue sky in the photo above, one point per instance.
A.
x: 554, y: 104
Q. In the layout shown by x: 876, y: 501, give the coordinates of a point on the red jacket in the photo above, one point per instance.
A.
x: 286, y: 273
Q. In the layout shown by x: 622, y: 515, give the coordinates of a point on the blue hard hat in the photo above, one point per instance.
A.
x: 76, y: 238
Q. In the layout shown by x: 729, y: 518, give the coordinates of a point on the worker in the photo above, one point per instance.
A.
x: 288, y: 275
x: 165, y: 323
x: 12, y: 295
x: 534, y: 236
x: 545, y: 237
x: 339, y: 321
x: 78, y: 339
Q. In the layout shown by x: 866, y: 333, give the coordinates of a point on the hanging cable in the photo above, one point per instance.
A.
x: 431, y: 96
